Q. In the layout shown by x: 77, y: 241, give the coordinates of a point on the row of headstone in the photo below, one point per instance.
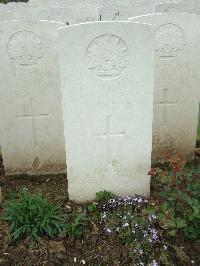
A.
x: 76, y: 11
x: 108, y: 99
x: 107, y: 94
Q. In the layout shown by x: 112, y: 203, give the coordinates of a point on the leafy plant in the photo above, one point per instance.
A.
x: 104, y: 195
x: 179, y: 204
x: 78, y: 225
x: 32, y: 215
x: 91, y: 208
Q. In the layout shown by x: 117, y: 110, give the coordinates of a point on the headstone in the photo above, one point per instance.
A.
x: 2, y: 6
x: 57, y: 14
x: 61, y: 14
x: 31, y: 133
x: 163, y: 1
x: 43, y: 3
x: 6, y: 15
x: 177, y: 79
x: 185, y: 6
x: 31, y: 13
x: 108, y: 13
x: 85, y: 11
x: 60, y: 3
x: 11, y: 5
x: 122, y: 10
x: 107, y: 87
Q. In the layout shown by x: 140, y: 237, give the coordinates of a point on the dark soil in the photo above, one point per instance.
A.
x: 94, y: 248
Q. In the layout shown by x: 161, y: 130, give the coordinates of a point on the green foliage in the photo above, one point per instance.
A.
x: 7, y: 1
x: 31, y: 215
x: 104, y: 195
x: 179, y: 208
x: 78, y: 225
x: 91, y: 208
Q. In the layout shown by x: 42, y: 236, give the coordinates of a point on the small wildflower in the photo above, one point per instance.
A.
x: 154, y: 263
x: 154, y: 235
x: 125, y: 225
x: 165, y: 247
x: 152, y: 217
x: 83, y: 261
x: 140, y: 251
x: 75, y: 259
x: 108, y: 231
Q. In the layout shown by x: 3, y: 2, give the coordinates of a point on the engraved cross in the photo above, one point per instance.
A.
x: 33, y: 117
x: 165, y: 103
x: 108, y: 135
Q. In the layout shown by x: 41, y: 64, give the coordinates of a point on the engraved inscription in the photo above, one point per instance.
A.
x: 108, y: 135
x: 107, y: 56
x: 25, y: 48
x: 32, y: 116
x: 170, y: 41
x: 164, y: 104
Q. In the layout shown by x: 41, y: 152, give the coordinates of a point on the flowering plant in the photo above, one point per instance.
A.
x: 179, y: 197
x: 127, y: 218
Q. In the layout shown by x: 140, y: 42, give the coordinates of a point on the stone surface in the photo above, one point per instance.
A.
x: 61, y: 14
x: 70, y: 12
x: 121, y: 10
x: 31, y: 133
x: 11, y: 5
x: 58, y: 14
x: 185, y: 6
x: 177, y: 79
x: 6, y: 15
x: 107, y: 105
x: 30, y: 13
x: 85, y: 11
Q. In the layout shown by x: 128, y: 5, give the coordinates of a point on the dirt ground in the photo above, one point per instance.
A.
x: 93, y: 248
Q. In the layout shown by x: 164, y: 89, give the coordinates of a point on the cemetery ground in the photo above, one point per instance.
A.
x: 166, y: 228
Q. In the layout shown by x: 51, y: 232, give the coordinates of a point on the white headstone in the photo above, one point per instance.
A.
x: 85, y: 11
x: 11, y: 5
x: 31, y: 13
x: 163, y: 1
x: 122, y: 10
x: 177, y: 79
x: 61, y: 14
x: 6, y: 15
x: 43, y: 3
x: 107, y: 86
x: 58, y: 14
x: 185, y: 6
x: 3, y: 6
x: 31, y: 132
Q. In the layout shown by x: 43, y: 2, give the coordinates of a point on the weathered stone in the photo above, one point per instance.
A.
x: 107, y: 102
x: 177, y: 79
x: 31, y: 133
